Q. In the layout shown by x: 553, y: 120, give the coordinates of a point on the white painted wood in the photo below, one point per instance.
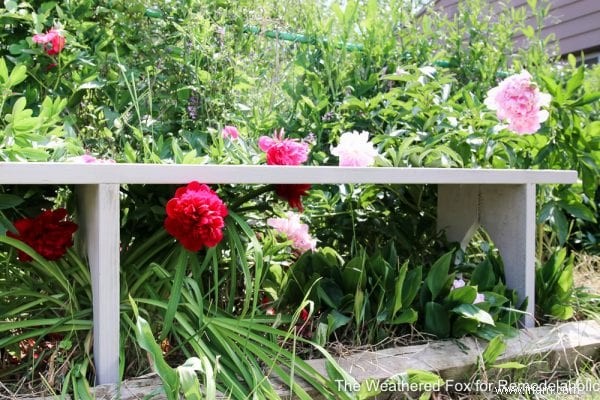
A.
x: 507, y: 212
x: 99, y: 210
x: 458, y: 212
x: 70, y: 173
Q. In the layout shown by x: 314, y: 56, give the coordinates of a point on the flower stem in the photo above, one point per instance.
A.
x: 251, y: 195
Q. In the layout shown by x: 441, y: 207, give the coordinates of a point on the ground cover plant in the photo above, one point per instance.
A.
x: 242, y: 282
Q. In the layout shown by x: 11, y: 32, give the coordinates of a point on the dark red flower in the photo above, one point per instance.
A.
x: 293, y: 193
x: 195, y: 216
x: 304, y: 314
x: 47, y: 234
x: 53, y: 41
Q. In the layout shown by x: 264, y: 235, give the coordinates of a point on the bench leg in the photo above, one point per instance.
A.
x: 507, y: 212
x: 99, y: 208
x: 458, y: 212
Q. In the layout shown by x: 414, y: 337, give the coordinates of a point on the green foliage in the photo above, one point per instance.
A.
x: 370, y: 298
x: 451, y: 306
x: 24, y: 136
x: 183, y: 378
x: 367, y: 299
x: 554, y: 286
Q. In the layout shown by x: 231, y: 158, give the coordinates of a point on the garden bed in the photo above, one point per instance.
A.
x: 562, y: 347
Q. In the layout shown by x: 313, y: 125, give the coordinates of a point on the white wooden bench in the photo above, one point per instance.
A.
x: 503, y: 201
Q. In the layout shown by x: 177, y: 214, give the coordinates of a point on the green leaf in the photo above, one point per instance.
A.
x: 406, y: 317
x: 424, y: 377
x: 9, y: 201
x: 438, y: 275
x: 437, y: 320
x: 552, y: 87
x: 3, y: 71
x: 562, y: 312
x: 546, y: 212
x: 181, y: 264
x: 578, y: 211
x: 18, y: 75
x: 463, y: 326
x: 146, y: 341
x: 370, y: 387
x: 494, y: 349
x: 188, y: 379
x: 412, y: 284
x: 398, y: 287
x: 336, y: 320
x: 91, y: 85
x: 483, y: 276
x: 473, y: 312
x: 575, y: 81
x: 561, y: 225
x: 26, y: 124
x: 19, y: 106
x: 564, y: 285
x: 463, y: 295
x: 510, y: 365
x: 587, y: 98
x: 359, y: 306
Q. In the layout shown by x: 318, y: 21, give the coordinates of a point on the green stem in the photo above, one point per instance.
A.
x: 250, y: 195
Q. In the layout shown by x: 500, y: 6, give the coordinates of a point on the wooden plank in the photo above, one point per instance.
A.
x: 99, y: 209
x: 569, y: 344
x: 69, y: 173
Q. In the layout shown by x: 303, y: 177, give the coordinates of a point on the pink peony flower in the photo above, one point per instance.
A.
x: 230, y: 132
x: 295, y: 231
x: 90, y: 159
x: 518, y: 102
x: 355, y: 150
x: 282, y: 151
x: 196, y: 216
x: 53, y: 41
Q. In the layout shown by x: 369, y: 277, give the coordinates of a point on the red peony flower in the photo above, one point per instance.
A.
x: 195, y: 216
x: 293, y: 193
x: 47, y: 234
x: 53, y: 41
x: 282, y: 151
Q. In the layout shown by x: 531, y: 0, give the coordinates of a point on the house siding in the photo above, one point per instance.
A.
x: 575, y: 24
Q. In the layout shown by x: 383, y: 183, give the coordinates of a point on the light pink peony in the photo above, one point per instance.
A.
x: 282, y: 151
x: 295, y: 231
x: 230, y: 132
x: 90, y: 159
x: 355, y: 150
x: 518, y: 102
